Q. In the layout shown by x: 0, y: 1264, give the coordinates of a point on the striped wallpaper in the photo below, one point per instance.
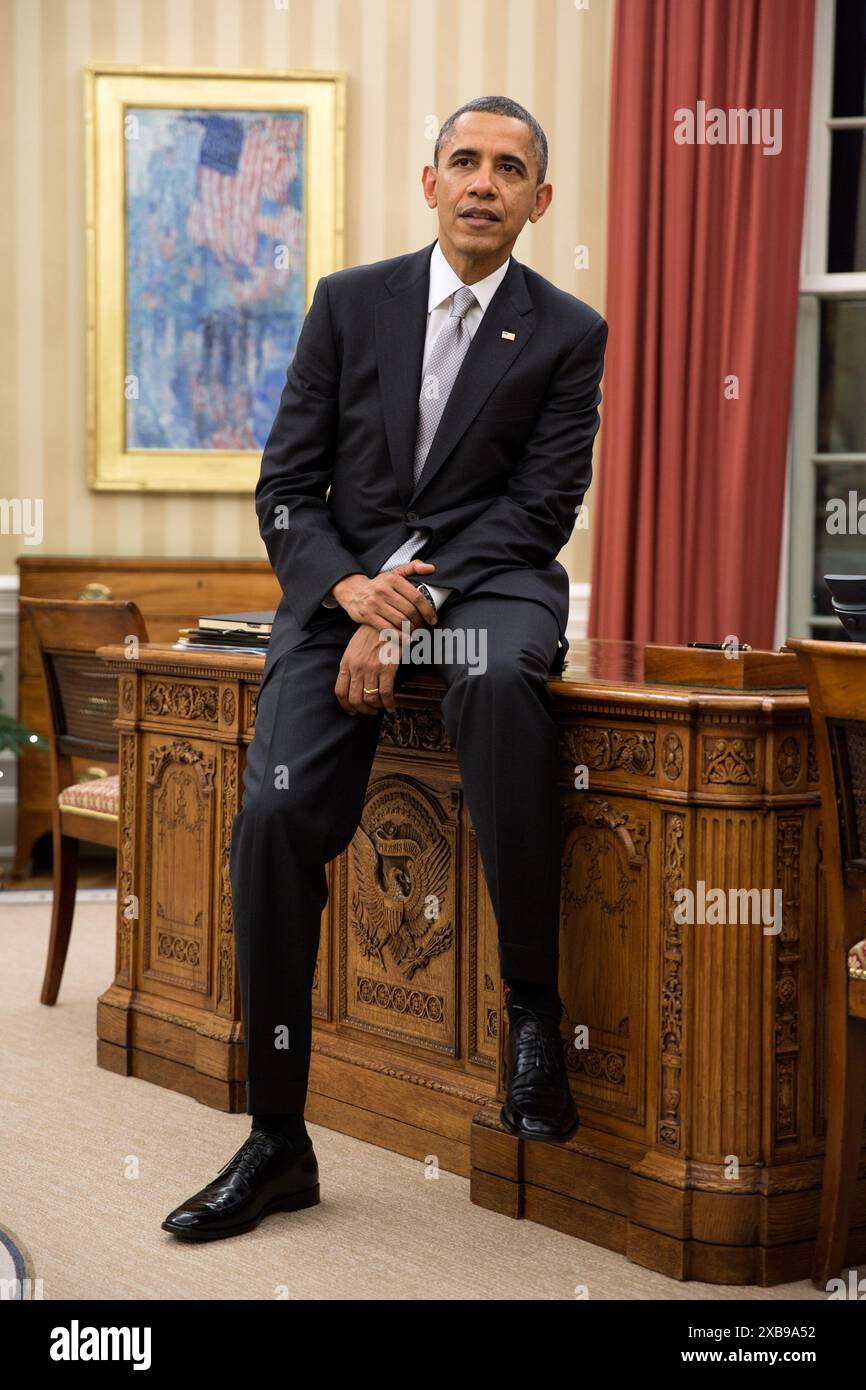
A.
x: 409, y: 63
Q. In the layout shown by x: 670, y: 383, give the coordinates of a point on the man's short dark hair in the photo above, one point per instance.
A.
x: 499, y: 106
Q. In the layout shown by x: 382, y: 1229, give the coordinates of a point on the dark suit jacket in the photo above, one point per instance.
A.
x: 507, y: 469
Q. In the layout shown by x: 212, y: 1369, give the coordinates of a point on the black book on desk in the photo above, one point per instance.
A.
x: 240, y: 632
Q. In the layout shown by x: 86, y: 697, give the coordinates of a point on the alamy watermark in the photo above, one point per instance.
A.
x: 846, y: 517
x: 444, y: 646
x: 735, y: 906
x: 22, y: 516
x: 77, y: 1343
x: 736, y: 126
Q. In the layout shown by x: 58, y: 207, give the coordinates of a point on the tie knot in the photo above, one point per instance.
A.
x: 462, y: 301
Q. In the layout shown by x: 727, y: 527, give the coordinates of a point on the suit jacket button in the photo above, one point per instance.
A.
x: 411, y: 516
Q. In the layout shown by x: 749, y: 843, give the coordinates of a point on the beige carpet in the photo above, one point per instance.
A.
x: 92, y: 1162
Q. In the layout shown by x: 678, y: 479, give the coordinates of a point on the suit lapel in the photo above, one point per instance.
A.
x: 401, y: 329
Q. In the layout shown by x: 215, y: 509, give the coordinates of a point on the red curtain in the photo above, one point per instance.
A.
x: 703, y: 264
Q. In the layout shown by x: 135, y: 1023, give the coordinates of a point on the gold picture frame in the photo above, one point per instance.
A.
x: 116, y: 460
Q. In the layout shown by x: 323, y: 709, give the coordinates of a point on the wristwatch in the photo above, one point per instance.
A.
x: 422, y: 589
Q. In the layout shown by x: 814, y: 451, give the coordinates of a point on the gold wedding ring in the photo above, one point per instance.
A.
x: 373, y: 691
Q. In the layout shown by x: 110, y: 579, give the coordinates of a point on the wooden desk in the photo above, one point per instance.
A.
x: 701, y: 1092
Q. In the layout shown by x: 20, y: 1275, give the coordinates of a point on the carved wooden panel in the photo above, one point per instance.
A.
x: 186, y: 701
x: 179, y: 833
x: 609, y: 749
x: 603, y: 948
x: 674, y: 771
x: 229, y: 805
x: 671, y: 1008
x: 787, y: 1004
x: 250, y: 701
x: 128, y: 911
x: 731, y: 759
x: 727, y: 1027
x: 788, y: 760
x: 398, y: 946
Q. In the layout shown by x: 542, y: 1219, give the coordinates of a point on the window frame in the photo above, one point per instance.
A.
x: 816, y: 284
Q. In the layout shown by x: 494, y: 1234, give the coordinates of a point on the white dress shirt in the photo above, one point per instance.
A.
x: 443, y: 283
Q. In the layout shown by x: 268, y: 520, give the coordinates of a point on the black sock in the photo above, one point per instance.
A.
x: 541, y: 999
x: 289, y: 1126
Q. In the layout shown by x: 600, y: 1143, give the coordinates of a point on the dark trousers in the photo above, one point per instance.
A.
x: 304, y: 787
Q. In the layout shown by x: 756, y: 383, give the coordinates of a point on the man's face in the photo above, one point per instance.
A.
x: 485, y: 187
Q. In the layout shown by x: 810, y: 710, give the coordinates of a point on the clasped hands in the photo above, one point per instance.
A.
x: 366, y: 682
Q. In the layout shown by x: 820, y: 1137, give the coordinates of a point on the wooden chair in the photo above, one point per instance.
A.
x: 836, y: 676
x: 82, y: 697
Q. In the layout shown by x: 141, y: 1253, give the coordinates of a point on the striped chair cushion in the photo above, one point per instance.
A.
x: 100, y: 797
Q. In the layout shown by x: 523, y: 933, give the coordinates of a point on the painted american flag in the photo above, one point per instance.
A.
x: 241, y: 162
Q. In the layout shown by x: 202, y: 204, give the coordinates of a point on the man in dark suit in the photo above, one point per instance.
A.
x: 432, y: 446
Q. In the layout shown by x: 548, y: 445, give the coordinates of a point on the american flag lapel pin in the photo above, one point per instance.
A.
x: 508, y: 336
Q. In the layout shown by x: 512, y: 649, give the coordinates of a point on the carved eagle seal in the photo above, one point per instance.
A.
x: 398, y: 897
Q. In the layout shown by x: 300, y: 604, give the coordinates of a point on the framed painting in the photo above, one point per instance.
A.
x: 214, y: 205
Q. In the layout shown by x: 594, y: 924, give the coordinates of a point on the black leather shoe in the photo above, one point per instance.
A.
x: 538, y: 1102
x: 265, y: 1175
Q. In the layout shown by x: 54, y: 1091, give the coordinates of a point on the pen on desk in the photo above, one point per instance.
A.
x: 718, y: 646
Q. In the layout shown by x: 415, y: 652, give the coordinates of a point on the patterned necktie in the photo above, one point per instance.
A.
x: 446, y: 355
